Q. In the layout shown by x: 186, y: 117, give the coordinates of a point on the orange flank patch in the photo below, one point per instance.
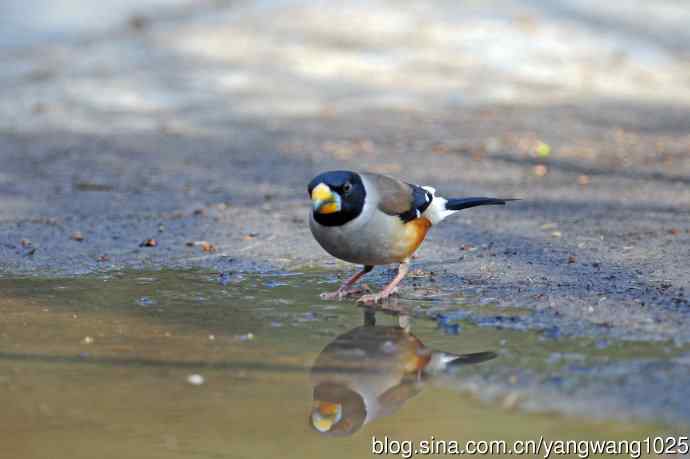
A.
x: 414, y: 358
x: 415, y: 232
x: 418, y: 363
x: 328, y: 409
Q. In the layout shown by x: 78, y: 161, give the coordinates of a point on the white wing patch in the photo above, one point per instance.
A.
x: 436, y: 212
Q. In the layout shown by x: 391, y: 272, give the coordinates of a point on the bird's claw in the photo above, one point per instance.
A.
x: 374, y: 298
x: 343, y: 293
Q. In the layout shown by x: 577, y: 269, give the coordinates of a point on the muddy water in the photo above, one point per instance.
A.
x: 177, y: 364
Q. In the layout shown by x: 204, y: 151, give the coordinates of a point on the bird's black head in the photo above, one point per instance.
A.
x: 337, y: 197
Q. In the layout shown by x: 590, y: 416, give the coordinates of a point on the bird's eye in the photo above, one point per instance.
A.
x: 347, y: 187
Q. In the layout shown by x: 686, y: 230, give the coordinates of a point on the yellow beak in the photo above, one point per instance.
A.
x: 324, y: 200
x: 320, y: 423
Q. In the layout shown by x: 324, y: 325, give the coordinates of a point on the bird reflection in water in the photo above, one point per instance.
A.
x: 371, y: 371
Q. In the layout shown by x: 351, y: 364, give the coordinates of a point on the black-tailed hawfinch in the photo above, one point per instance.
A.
x: 371, y: 371
x: 373, y: 219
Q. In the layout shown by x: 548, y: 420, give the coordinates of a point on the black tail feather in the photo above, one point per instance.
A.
x: 471, y: 359
x: 466, y: 203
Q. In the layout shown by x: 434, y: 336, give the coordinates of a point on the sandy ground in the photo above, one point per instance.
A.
x: 205, y: 123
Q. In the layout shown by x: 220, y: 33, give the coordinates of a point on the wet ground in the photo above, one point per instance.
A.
x: 199, y: 127
x: 178, y: 364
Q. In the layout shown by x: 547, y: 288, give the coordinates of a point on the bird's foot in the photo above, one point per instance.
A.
x: 379, y: 297
x: 344, y: 292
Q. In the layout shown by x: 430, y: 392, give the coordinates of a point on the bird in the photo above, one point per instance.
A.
x: 371, y: 371
x: 374, y: 219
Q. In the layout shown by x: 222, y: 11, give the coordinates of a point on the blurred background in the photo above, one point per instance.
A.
x: 160, y: 57
x: 581, y: 107
x: 130, y: 109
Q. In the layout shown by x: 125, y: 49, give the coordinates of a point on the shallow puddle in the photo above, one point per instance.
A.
x: 178, y: 364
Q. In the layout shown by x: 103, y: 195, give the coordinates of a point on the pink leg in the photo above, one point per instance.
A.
x: 346, y: 289
x: 389, y: 289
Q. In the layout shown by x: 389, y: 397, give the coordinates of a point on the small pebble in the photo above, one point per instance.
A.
x: 195, y: 380
x: 543, y: 149
x: 583, y: 180
x: 208, y: 247
x: 203, y: 245
x: 87, y: 340
x: 146, y: 301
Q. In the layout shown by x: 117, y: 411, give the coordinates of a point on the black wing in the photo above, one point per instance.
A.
x: 421, y: 199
